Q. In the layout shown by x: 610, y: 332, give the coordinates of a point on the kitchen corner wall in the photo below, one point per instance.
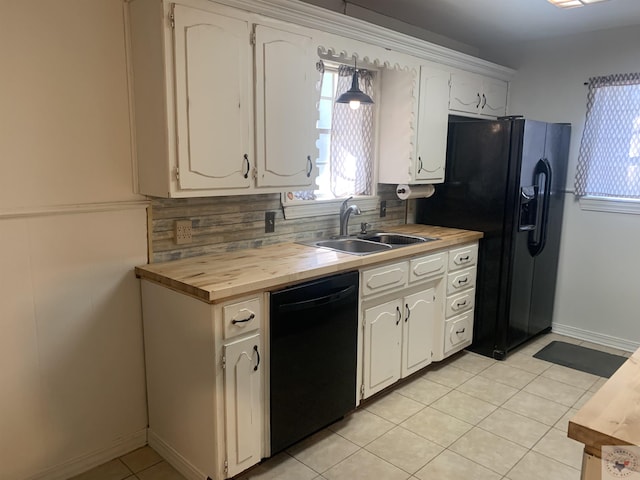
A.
x: 223, y: 224
x: 71, y: 231
x: 597, y: 294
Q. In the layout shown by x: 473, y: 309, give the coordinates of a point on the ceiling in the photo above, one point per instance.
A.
x: 494, y: 24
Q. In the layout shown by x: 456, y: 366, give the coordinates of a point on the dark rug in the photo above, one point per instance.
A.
x: 581, y: 358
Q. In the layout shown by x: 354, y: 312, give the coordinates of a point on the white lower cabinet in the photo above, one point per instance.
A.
x: 205, y: 382
x: 243, y: 403
x: 398, y: 327
x: 461, y: 281
x: 420, y: 312
x: 382, y: 346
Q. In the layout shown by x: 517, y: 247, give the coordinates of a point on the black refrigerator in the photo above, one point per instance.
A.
x: 506, y: 178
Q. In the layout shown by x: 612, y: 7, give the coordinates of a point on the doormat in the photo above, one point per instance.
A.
x: 581, y: 358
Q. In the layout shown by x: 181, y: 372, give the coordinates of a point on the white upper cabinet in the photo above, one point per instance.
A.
x: 286, y: 99
x: 414, y: 153
x: 213, y: 100
x: 214, y: 113
x: 431, y: 132
x: 478, y: 95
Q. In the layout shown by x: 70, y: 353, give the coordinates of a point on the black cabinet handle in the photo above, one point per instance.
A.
x: 406, y: 305
x: 420, y: 165
x: 479, y: 100
x: 461, y: 304
x: 310, y: 164
x: 255, y: 349
x: 462, y: 281
x: 463, y: 259
x: 246, y: 159
x: 457, y: 332
x: 399, y: 315
x: 484, y: 101
x: 251, y: 317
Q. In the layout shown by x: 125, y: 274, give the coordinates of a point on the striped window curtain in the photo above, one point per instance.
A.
x: 609, y: 158
x: 352, y: 139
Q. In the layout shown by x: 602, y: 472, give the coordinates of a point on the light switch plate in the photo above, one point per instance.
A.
x: 269, y: 222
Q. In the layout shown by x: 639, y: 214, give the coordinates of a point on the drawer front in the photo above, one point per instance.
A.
x: 242, y: 317
x: 463, y: 257
x: 458, y: 332
x: 427, y: 266
x: 461, y: 280
x: 385, y: 278
x: 460, y: 303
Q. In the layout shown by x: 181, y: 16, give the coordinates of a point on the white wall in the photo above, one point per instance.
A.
x: 597, y: 296
x: 71, y: 230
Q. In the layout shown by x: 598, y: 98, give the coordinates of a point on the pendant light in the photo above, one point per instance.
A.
x: 354, y: 96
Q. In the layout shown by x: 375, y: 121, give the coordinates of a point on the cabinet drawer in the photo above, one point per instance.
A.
x: 427, y: 266
x: 242, y: 317
x: 463, y: 257
x: 460, y: 303
x: 461, y: 280
x: 384, y: 278
x: 458, y: 332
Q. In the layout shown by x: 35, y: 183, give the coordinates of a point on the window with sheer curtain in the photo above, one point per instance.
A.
x: 609, y: 158
x: 345, y: 140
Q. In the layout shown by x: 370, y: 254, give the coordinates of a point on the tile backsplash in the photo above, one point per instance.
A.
x: 222, y: 224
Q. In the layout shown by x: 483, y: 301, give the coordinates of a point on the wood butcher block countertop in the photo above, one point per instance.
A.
x: 612, y: 415
x: 213, y: 278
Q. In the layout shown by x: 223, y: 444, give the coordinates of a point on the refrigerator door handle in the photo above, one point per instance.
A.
x: 542, y: 177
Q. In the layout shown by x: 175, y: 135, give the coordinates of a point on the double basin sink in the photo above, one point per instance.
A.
x: 366, y: 244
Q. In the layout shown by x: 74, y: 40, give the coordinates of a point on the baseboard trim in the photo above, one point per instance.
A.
x: 176, y: 460
x: 595, y: 337
x: 86, y: 462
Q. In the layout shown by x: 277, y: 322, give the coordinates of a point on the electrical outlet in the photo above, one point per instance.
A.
x: 183, y: 232
x: 269, y: 222
x: 383, y: 208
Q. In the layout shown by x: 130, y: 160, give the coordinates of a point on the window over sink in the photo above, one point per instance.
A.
x: 346, y: 145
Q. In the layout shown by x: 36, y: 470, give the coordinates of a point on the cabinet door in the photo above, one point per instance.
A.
x: 494, y: 97
x: 382, y: 338
x: 286, y: 99
x: 243, y: 403
x: 465, y: 93
x: 417, y: 331
x: 213, y: 100
x: 433, y: 112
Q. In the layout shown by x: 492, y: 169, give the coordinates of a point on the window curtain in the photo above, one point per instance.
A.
x: 352, y: 139
x: 309, y: 194
x: 609, y: 158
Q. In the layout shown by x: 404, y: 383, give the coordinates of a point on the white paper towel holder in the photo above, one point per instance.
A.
x: 405, y: 192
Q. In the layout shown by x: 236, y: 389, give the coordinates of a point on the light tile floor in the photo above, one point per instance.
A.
x: 467, y: 417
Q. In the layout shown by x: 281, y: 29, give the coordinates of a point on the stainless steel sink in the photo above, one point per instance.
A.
x: 370, y: 243
x: 355, y: 246
x: 395, y: 239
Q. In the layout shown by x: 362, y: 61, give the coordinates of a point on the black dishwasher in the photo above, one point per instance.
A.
x: 313, y: 343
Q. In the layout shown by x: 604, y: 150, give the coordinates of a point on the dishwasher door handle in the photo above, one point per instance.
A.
x: 314, y: 302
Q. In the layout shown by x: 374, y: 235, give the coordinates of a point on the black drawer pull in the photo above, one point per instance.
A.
x: 458, y: 332
x: 251, y: 317
x: 461, y: 304
x: 399, y: 315
x: 255, y: 349
x: 462, y: 281
x: 310, y: 164
x: 408, y: 312
x: 463, y: 259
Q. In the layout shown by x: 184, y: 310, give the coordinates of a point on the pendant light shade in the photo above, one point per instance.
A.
x: 354, y: 96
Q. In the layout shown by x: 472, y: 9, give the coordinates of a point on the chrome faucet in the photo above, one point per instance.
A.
x: 345, y: 211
